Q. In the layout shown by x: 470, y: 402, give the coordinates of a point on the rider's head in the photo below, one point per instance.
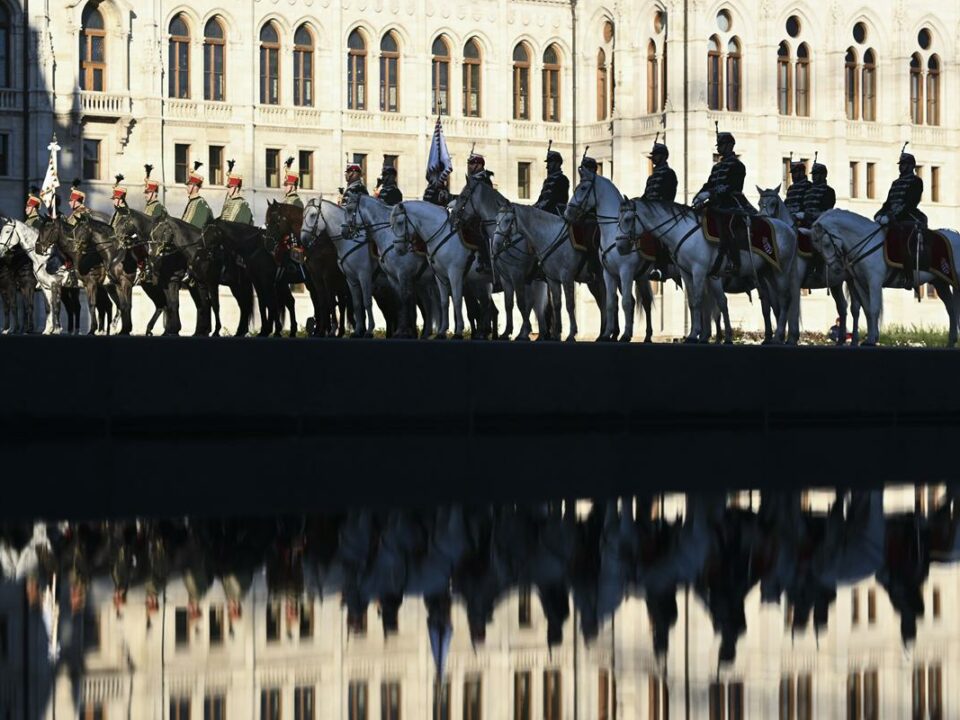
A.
x: 194, y: 181
x: 77, y: 196
x: 908, y: 163
x: 150, y: 186
x: 353, y: 172
x: 234, y: 180
x: 725, y: 143
x: 554, y: 161
x: 659, y: 154
x: 819, y: 173
x: 33, y: 201
x: 475, y: 163
x: 798, y: 170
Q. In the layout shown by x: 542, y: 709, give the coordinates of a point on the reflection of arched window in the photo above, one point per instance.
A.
x: 214, y: 45
x: 5, y: 49
x: 714, y: 74
x: 916, y: 89
x: 601, y: 85
x: 521, y: 82
x: 471, y: 79
x: 933, y: 90
x: 851, y: 92
x: 389, y: 73
x: 93, y: 50
x: 653, y: 79
x: 356, y: 72
x: 734, y: 78
x: 303, y: 45
x: 269, y: 65
x: 803, y: 81
x: 869, y: 86
x: 179, y: 58
x: 441, y: 76
x: 784, y: 94
x: 551, y: 84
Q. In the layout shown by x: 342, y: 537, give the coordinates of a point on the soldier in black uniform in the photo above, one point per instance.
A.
x: 901, y: 209
x: 387, y: 190
x: 723, y: 193
x: 477, y: 170
x: 437, y: 193
x: 797, y: 192
x: 662, y: 184
x: 556, y: 186
x: 819, y: 198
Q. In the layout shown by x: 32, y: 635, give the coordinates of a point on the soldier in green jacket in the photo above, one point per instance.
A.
x: 151, y: 188
x: 78, y: 210
x: 32, y: 212
x: 120, y: 207
x: 235, y: 208
x: 291, y: 181
x: 197, y: 212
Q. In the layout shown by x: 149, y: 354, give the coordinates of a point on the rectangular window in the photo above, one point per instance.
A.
x: 521, y: 92
x: 303, y: 703
x: 854, y: 180
x: 603, y: 695
x: 919, y: 693
x: 270, y: 704
x: 871, y: 606
x: 472, y: 701
x: 306, y: 616
x: 871, y: 180
x: 274, y: 620
x: 361, y: 160
x: 390, y: 701
x: 934, y: 184
x: 735, y: 704
x: 523, y: 192
x: 214, y: 707
x: 854, y: 698
x: 216, y: 624
x: 805, y: 697
x: 787, y: 699
x: 357, y: 701
x: 272, y: 167
x: 4, y: 155
x: 389, y: 87
x: 653, y: 697
x: 91, y: 159
x: 871, y: 695
x: 716, y: 697
x: 441, y: 703
x: 522, y: 702
x: 181, y: 163
x: 179, y: 708
x: 392, y: 161
x: 305, y: 165
x: 936, y: 603
x: 600, y: 169
x: 181, y: 626
x: 552, y: 705
x: 215, y: 165
x: 935, y: 692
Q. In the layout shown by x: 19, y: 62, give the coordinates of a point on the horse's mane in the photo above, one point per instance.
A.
x: 240, y: 229
x: 100, y: 226
x: 183, y: 225
x: 676, y: 208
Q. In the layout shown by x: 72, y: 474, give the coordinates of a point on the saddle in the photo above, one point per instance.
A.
x: 585, y: 235
x: 935, y: 252
x: 804, y: 241
x: 471, y: 236
x: 763, y: 236
x: 648, y: 247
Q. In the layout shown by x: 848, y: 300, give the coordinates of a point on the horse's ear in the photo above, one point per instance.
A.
x: 759, y: 190
x: 777, y: 191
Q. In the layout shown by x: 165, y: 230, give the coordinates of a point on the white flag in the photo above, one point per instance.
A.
x: 51, y: 182
x: 439, y: 164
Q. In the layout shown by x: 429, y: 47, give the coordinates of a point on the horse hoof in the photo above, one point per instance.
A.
x: 648, y: 340
x: 690, y: 341
x: 625, y: 338
x: 522, y: 338
x: 440, y: 336
x: 571, y: 339
x: 457, y: 336
x: 728, y: 341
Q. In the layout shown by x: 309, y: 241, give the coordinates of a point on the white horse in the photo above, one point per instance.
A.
x: 853, y: 244
x: 13, y: 233
x: 811, y: 271
x: 323, y: 222
x: 408, y: 273
x: 621, y: 266
x: 678, y: 227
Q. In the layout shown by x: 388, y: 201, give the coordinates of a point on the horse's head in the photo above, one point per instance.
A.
x: 584, y: 200
x: 312, y: 225
x: 50, y: 234
x: 629, y: 226
x: 828, y: 245
x: 505, y: 227
x: 464, y: 208
x: 8, y: 236
x: 770, y: 203
x: 401, y: 228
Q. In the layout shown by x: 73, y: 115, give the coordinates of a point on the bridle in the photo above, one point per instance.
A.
x: 578, y: 208
x: 404, y: 237
x: 314, y: 235
x: 657, y: 230
x: 14, y: 237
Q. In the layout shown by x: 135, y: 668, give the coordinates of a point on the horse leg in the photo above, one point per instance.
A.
x: 569, y: 288
x: 873, y: 308
x: 645, y: 291
x: 174, y: 326
x: 695, y: 291
x: 556, y: 298
x: 456, y: 290
x: 841, y: 303
x: 356, y: 294
x: 610, y: 306
x: 508, y: 301
x: 949, y: 302
x: 91, y: 287
x: 53, y: 324
x: 627, y: 301
x: 159, y: 304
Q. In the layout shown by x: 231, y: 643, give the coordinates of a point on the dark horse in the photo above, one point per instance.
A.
x: 17, y: 281
x: 282, y: 236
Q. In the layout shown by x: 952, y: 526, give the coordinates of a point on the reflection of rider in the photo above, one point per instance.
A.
x: 723, y: 193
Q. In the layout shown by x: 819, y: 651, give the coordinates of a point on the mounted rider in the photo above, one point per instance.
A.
x: 819, y: 198
x: 799, y: 187
x: 477, y: 170
x: 151, y: 189
x: 437, y: 192
x: 197, y: 212
x: 662, y: 184
x: 723, y: 196
x: 235, y: 207
x: 78, y: 210
x: 31, y: 213
x: 590, y: 168
x: 387, y: 190
x: 901, y: 211
x: 555, y: 192
x: 120, y: 207
x: 291, y: 181
x: 350, y: 196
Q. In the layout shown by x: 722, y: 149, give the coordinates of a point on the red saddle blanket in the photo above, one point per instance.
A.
x: 936, y: 253
x: 763, y: 236
x: 583, y: 235
x: 648, y: 246
x: 471, y: 236
x: 804, y: 242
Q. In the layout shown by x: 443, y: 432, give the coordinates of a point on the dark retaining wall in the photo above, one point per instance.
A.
x: 119, y: 426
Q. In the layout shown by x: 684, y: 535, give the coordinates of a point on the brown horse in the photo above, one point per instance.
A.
x: 323, y: 277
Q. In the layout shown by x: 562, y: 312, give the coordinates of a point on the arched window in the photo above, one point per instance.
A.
x: 356, y: 71
x: 303, y: 44
x: 179, y: 58
x: 93, y: 50
x: 269, y: 65
x: 551, y: 84
x: 734, y: 77
x: 441, y: 76
x: 389, y: 73
x: 521, y: 82
x: 851, y: 85
x: 601, y: 85
x: 214, y: 46
x: 933, y: 90
x: 916, y: 89
x: 714, y: 74
x: 784, y: 94
x: 869, y: 86
x: 471, y: 79
x: 653, y: 79
x: 5, y: 48
x: 803, y: 81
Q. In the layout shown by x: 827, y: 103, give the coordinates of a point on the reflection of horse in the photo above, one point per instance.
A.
x: 853, y: 245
